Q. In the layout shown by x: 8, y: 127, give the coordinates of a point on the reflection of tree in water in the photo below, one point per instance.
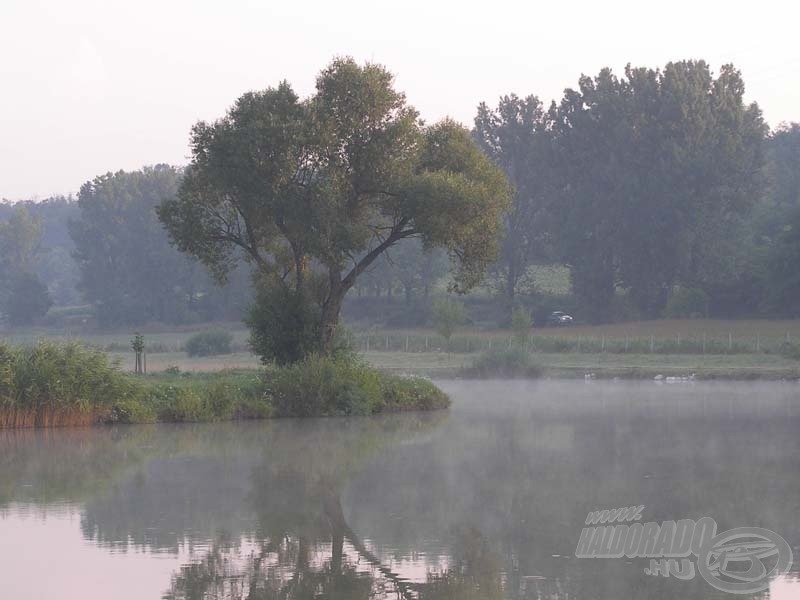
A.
x: 335, y: 507
x: 304, y: 547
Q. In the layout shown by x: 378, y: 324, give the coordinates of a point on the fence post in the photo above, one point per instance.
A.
x: 490, y: 343
x: 603, y: 344
x: 579, y: 343
x: 704, y: 343
x: 730, y: 341
x: 758, y: 343
x: 627, y: 342
x: 652, y: 344
x: 406, y: 343
x: 426, y: 343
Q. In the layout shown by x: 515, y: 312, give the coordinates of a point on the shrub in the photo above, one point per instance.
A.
x: 209, y: 343
x: 790, y: 350
x: 133, y: 410
x: 410, y: 393
x: 687, y: 303
x: 338, y: 386
x: 448, y: 315
x: 27, y: 300
x: 513, y: 362
x: 521, y: 323
x: 284, y: 324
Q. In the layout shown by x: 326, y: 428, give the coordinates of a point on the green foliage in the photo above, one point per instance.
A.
x: 284, y: 324
x: 128, y: 269
x: 23, y: 297
x: 27, y: 300
x: 687, y: 303
x: 137, y: 343
x: 448, y: 314
x: 516, y: 135
x: 209, y: 343
x: 648, y: 162
x: 513, y: 362
x: 57, y: 384
x: 521, y: 323
x: 351, y: 172
x: 790, y: 350
x: 784, y: 268
x: 213, y: 397
x: 401, y: 393
x: 330, y: 386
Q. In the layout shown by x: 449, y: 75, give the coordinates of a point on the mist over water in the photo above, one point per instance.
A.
x: 486, y: 500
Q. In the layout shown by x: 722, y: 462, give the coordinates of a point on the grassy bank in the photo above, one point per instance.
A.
x: 50, y: 385
x: 602, y: 365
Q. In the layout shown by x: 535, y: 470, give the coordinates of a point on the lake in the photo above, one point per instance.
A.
x: 487, y: 500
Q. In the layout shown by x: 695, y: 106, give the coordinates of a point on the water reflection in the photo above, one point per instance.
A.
x: 484, y: 501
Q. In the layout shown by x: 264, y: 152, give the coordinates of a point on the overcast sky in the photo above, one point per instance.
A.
x: 94, y: 86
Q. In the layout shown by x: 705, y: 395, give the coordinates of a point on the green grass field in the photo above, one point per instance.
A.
x: 670, y: 347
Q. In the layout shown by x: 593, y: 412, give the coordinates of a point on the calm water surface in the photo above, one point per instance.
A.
x: 484, y: 501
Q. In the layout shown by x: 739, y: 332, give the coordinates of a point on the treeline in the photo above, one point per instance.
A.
x: 107, y: 248
x: 661, y: 191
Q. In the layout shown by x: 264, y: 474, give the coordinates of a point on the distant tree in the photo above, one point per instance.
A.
x: 653, y: 167
x: 23, y: 298
x: 20, y: 238
x: 783, y: 293
x: 314, y: 191
x: 26, y: 300
x: 448, y: 314
x: 128, y: 268
x: 521, y: 323
x: 516, y: 135
x: 415, y: 267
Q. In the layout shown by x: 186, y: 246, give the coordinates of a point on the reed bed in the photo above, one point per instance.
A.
x: 54, y: 385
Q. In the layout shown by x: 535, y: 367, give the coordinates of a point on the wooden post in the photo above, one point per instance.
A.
x: 387, y: 342
x: 704, y: 343
x: 652, y: 344
x: 426, y: 343
x: 730, y: 341
x: 626, y: 343
x: 406, y: 343
x: 579, y: 343
x: 758, y: 342
x: 603, y: 344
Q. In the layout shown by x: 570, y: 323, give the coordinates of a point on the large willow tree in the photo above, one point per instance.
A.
x: 313, y: 191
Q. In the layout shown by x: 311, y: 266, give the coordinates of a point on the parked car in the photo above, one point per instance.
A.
x: 559, y: 319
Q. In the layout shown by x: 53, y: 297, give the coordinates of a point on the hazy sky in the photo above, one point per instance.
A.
x: 89, y: 86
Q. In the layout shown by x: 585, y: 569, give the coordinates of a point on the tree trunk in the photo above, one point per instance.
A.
x: 330, y: 315
x: 511, y: 289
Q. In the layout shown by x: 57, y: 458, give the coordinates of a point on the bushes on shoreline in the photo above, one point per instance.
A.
x: 209, y: 343
x: 339, y: 386
x: 52, y: 385
x: 513, y: 362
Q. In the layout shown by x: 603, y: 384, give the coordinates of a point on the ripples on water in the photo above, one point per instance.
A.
x: 486, y: 500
